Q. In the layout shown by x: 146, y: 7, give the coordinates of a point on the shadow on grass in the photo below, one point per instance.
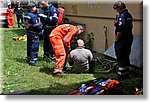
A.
x: 18, y: 31
x: 20, y: 60
x: 46, y: 70
x: 60, y: 89
x: 24, y: 60
x: 57, y: 89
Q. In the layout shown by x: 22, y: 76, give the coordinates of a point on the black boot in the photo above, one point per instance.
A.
x: 33, y: 63
x: 53, y: 57
x: 28, y: 59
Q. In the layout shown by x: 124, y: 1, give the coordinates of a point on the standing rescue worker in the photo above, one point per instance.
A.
x: 10, y: 16
x: 18, y: 10
x: 123, y: 38
x: 33, y: 27
x: 60, y: 39
x: 49, y: 20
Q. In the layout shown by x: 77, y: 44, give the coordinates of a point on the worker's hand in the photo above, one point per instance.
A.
x: 50, y: 18
x: 116, y: 38
x: 69, y: 50
x: 115, y: 23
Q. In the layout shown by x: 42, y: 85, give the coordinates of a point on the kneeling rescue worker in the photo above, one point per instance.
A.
x: 60, y: 39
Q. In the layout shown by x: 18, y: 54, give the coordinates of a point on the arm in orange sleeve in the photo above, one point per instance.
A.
x: 69, y: 36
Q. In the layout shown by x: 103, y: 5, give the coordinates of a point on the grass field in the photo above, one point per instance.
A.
x: 19, y: 76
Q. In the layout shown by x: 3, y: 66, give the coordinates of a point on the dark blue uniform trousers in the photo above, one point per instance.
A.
x: 32, y: 46
x: 48, y: 50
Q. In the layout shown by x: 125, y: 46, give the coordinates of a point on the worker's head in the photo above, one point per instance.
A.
x: 80, y: 29
x: 31, y: 7
x: 44, y: 4
x: 80, y: 42
x: 18, y: 2
x: 9, y: 5
x: 119, y: 6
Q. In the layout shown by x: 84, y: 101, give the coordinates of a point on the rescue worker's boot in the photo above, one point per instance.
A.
x: 58, y: 71
x: 28, y: 59
x: 64, y: 69
x: 33, y: 63
x: 53, y: 57
x: 46, y: 55
x: 123, y: 73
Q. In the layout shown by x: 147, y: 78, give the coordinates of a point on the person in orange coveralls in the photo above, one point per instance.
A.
x: 10, y: 16
x: 60, y: 39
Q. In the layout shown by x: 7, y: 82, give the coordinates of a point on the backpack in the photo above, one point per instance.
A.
x: 61, y: 15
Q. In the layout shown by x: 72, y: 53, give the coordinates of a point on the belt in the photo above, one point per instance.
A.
x: 33, y: 32
x: 50, y: 27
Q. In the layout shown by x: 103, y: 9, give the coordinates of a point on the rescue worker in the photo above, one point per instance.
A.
x: 33, y: 27
x: 19, y: 12
x: 123, y: 38
x: 60, y: 39
x: 81, y: 58
x: 49, y: 21
x: 10, y: 16
x: 61, y: 15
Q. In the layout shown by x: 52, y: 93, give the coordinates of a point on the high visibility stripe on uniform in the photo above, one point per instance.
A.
x: 57, y: 70
x: 35, y: 59
x: 122, y: 74
x: 123, y: 71
x: 28, y: 17
x: 66, y: 37
x: 123, y: 68
x: 68, y: 26
x: 55, y: 15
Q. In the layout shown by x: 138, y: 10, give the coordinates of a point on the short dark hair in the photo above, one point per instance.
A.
x: 119, y: 4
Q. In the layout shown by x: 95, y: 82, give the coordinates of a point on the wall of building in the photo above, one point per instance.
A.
x: 95, y: 15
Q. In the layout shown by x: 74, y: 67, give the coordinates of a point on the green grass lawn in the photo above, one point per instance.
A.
x: 19, y: 76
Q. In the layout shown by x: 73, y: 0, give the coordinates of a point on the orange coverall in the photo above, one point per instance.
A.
x: 60, y: 39
x: 61, y: 16
x: 10, y: 17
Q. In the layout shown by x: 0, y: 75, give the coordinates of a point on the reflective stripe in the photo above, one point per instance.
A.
x: 57, y: 70
x: 66, y: 37
x: 35, y: 59
x: 123, y: 68
x: 120, y: 73
x: 55, y: 15
x: 27, y: 17
x: 50, y: 35
x: 68, y: 26
x: 50, y: 18
x: 35, y: 24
